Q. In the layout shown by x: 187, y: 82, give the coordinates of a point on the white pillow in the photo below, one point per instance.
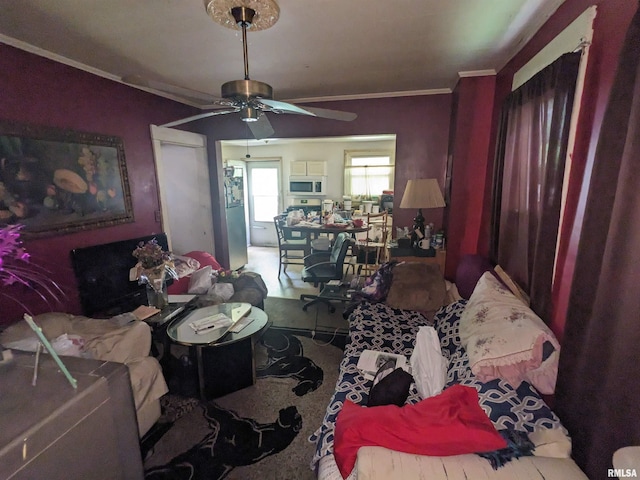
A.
x: 200, y: 281
x: 185, y: 265
x: 505, y: 339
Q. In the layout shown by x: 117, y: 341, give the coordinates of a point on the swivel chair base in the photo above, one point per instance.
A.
x: 315, y: 299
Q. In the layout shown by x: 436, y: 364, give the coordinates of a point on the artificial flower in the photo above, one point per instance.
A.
x: 16, y: 268
x: 153, y: 264
x: 223, y: 275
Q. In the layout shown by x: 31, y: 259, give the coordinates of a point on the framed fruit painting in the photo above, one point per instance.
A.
x: 56, y: 181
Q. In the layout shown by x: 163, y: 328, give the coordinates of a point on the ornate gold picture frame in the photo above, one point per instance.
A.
x: 57, y: 181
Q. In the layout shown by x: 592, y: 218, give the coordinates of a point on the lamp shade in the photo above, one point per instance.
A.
x: 422, y: 193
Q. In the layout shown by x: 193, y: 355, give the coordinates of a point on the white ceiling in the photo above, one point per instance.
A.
x: 318, y: 49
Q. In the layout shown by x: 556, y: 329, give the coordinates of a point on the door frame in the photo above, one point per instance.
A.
x: 256, y: 162
x: 160, y: 135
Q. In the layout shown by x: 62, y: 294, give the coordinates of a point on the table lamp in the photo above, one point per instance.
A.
x: 421, y: 193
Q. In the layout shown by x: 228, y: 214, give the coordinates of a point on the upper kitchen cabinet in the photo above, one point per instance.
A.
x: 311, y: 168
x: 317, y: 168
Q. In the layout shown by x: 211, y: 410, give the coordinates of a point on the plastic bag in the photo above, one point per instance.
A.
x: 68, y: 345
x: 428, y: 366
x: 221, y: 291
x: 294, y: 217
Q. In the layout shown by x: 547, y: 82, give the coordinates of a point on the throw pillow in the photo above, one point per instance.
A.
x: 185, y: 265
x: 452, y: 423
x: 200, y: 281
x: 390, y: 386
x: 417, y: 286
x: 505, y: 339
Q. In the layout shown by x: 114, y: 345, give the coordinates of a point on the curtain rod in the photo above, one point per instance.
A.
x: 584, y: 43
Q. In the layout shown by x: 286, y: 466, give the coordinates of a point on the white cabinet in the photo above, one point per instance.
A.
x: 317, y: 168
x: 298, y: 168
x: 311, y: 168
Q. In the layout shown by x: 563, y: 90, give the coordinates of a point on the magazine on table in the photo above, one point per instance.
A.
x: 209, y: 324
x: 371, y: 360
x: 222, y: 323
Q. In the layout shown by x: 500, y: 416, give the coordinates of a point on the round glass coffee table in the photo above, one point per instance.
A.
x: 225, y: 363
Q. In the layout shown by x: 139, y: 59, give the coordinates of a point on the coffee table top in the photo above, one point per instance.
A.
x: 181, y: 332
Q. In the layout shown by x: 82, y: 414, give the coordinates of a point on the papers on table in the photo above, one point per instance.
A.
x: 240, y: 324
x: 222, y: 321
x: 211, y: 323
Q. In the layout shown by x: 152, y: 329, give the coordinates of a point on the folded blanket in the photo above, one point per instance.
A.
x: 451, y: 423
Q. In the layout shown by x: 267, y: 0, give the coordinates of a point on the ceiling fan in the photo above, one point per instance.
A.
x: 250, y: 98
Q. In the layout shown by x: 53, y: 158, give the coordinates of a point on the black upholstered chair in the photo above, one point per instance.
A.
x: 323, y: 267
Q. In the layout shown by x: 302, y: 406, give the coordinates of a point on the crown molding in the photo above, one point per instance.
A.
x: 369, y: 96
x: 477, y: 73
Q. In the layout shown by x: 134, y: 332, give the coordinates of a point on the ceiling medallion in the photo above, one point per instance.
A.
x: 267, y: 12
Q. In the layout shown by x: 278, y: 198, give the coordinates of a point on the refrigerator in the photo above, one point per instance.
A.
x: 234, y: 199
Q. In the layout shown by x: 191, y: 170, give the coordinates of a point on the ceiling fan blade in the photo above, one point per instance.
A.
x: 140, y: 81
x: 332, y: 114
x: 261, y: 128
x: 284, y: 107
x: 198, y: 117
x: 277, y: 106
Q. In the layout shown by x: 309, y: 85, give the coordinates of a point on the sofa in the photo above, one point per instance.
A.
x: 248, y: 287
x: 102, y: 340
x: 485, y: 419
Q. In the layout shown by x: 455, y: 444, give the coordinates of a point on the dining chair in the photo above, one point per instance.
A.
x: 373, y: 249
x: 287, y: 246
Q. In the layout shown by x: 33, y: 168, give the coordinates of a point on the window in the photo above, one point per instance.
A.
x: 529, y: 171
x: 367, y: 173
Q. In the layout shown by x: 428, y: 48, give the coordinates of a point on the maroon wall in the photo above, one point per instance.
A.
x: 421, y: 124
x: 38, y: 91
x: 610, y: 25
x: 470, y: 155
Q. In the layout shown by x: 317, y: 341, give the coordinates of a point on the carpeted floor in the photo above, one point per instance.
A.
x: 288, y: 313
x: 260, y: 432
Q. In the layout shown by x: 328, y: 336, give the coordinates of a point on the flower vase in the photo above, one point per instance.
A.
x: 157, y: 295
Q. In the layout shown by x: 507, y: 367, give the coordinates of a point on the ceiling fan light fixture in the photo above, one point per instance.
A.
x: 250, y: 114
x: 266, y: 13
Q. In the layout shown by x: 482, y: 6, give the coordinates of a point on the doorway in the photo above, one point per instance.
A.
x: 184, y: 189
x: 264, y: 200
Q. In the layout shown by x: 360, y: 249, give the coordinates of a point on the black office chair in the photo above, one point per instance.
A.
x: 323, y: 267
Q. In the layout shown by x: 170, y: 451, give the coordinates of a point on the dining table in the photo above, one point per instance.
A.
x: 309, y: 231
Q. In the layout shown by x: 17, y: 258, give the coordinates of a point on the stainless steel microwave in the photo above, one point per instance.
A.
x: 307, y: 185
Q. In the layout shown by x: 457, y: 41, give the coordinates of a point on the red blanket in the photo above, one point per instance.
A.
x: 452, y: 423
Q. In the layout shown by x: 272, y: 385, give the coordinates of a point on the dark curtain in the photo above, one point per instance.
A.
x: 529, y: 171
x: 598, y: 386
